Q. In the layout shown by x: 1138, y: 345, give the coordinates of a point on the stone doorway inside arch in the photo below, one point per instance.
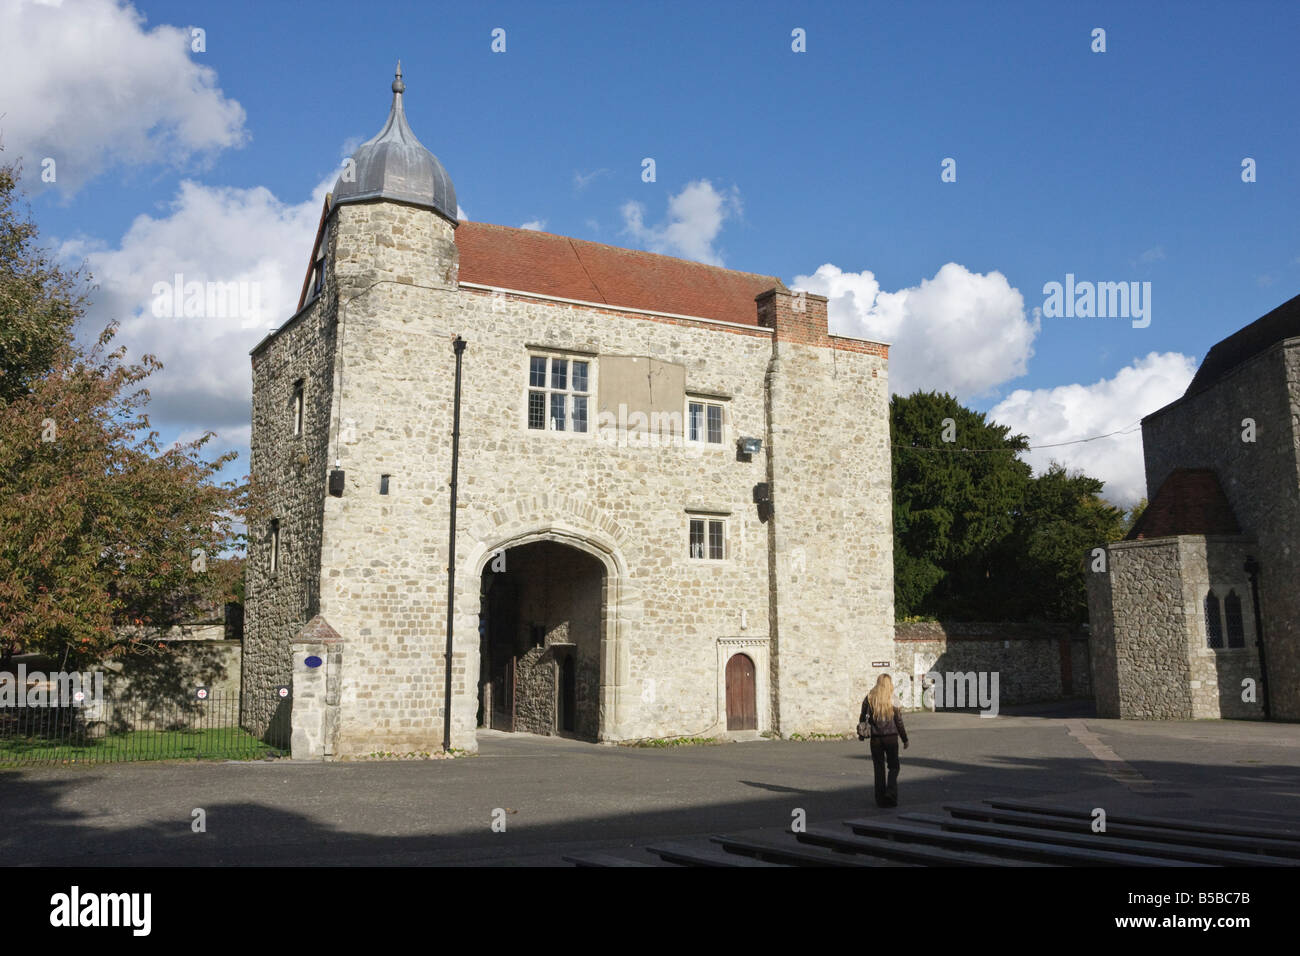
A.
x: 540, y: 618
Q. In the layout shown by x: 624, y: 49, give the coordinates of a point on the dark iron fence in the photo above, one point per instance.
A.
x: 203, y: 725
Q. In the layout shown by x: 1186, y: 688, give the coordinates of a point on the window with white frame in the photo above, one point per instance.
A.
x: 708, y: 538
x: 704, y: 422
x: 559, y: 393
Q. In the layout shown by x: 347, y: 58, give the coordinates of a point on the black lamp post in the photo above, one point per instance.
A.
x: 1252, y: 570
x: 458, y: 344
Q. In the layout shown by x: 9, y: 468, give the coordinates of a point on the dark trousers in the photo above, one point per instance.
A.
x: 885, y: 750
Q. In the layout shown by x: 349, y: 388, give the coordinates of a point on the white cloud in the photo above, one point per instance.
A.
x: 695, y: 217
x: 536, y: 225
x: 1068, y: 413
x: 85, y: 83
x: 582, y: 180
x: 209, y: 235
x: 960, y: 332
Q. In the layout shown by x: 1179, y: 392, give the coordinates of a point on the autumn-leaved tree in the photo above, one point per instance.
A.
x: 100, y: 527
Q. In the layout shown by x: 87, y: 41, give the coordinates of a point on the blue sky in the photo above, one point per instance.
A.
x: 821, y: 167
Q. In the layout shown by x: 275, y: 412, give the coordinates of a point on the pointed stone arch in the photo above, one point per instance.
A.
x: 571, y: 521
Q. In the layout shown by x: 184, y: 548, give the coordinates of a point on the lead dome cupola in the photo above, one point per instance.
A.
x: 394, y: 165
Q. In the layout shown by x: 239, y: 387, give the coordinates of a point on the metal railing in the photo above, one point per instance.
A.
x: 203, y: 725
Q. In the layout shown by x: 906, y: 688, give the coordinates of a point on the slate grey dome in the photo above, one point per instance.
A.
x: 395, y: 165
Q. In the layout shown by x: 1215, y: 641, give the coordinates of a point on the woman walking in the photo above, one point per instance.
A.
x: 882, y: 721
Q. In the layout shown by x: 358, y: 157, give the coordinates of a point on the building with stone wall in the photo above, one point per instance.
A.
x: 672, y: 511
x: 1175, y: 628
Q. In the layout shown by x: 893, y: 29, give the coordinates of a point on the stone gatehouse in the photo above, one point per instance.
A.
x: 1197, y: 614
x: 672, y: 500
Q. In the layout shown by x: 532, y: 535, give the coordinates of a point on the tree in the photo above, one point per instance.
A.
x: 39, y: 303
x: 1062, y: 518
x: 976, y: 535
x: 1133, y: 516
x: 955, y: 501
x: 99, y: 526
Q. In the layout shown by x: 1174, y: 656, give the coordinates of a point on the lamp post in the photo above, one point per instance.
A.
x: 459, y: 345
x: 1251, y: 568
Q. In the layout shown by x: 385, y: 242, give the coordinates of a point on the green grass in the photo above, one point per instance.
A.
x: 217, y: 743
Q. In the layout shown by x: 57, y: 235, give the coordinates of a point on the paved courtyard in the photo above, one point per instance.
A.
x: 558, y: 796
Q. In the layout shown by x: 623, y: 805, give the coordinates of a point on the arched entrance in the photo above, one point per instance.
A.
x: 541, y: 619
x: 742, y: 700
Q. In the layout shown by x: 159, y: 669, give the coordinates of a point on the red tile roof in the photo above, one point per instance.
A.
x: 529, y: 261
x: 1191, y: 501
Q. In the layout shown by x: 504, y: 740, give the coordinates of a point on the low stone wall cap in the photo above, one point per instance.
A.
x: 318, y: 631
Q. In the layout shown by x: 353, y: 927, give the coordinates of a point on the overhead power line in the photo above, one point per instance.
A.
x: 1127, y: 429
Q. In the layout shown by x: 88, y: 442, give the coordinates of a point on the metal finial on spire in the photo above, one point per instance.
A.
x: 398, y: 85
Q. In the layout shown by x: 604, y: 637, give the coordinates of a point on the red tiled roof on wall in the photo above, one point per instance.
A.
x: 1191, y: 501
x: 538, y: 262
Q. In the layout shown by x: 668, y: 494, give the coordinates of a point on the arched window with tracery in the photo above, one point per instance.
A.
x: 1213, y: 621
x: 1232, y: 613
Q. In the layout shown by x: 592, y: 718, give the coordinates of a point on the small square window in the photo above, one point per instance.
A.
x: 536, y: 409
x: 537, y: 371
x: 708, y: 539
x: 579, y: 376
x: 704, y: 422
x: 559, y: 373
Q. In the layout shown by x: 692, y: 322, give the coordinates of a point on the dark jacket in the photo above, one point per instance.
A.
x: 893, y: 726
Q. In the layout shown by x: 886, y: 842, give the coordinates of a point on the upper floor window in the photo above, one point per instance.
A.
x: 708, y: 539
x: 559, y: 393
x: 1213, y: 622
x: 1232, y: 615
x: 297, y: 406
x: 704, y: 422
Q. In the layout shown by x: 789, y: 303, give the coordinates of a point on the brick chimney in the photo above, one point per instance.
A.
x: 798, y: 317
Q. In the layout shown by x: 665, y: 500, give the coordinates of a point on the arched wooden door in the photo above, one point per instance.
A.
x: 742, y: 706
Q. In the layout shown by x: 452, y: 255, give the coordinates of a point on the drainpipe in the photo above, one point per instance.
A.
x: 1252, y: 569
x: 459, y: 345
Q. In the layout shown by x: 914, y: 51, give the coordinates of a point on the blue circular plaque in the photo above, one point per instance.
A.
x: 313, y: 661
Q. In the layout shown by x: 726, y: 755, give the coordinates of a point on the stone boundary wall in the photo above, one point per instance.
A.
x: 1034, y: 662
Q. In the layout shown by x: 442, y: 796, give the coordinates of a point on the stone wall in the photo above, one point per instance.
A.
x: 1261, y: 481
x: 1150, y: 649
x: 1034, y: 662
x: 830, y: 539
x: 289, y: 472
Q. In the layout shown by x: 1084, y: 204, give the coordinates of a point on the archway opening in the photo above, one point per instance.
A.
x: 540, y: 618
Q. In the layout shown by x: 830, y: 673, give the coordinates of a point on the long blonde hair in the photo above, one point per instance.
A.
x: 881, y: 699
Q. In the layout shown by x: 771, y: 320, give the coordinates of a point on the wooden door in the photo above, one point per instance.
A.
x: 742, y: 708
